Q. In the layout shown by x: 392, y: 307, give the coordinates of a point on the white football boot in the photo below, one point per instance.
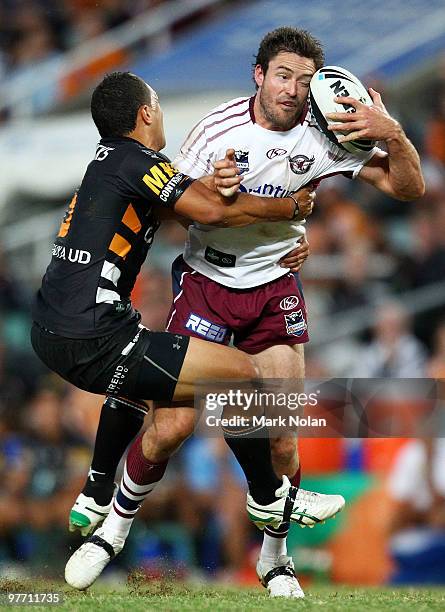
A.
x: 86, y: 515
x: 88, y: 562
x: 279, y: 578
x: 296, y: 506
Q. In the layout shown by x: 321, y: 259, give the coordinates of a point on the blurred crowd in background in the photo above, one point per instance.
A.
x: 32, y: 31
x: 369, y: 254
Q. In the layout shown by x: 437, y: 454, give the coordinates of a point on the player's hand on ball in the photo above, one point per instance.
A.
x: 296, y: 258
x: 367, y: 122
x: 226, y: 175
x: 305, y: 198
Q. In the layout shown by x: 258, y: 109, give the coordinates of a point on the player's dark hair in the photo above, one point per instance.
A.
x: 115, y: 103
x: 291, y: 40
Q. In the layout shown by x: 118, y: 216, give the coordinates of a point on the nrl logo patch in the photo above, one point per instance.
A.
x: 300, y: 164
x: 295, y: 323
x: 242, y: 160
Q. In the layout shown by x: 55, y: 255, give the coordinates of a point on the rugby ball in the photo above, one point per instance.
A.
x: 325, y: 85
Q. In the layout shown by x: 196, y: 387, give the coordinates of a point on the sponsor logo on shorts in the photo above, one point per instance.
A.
x: 295, y: 323
x: 205, y: 328
x: 242, y: 160
x: 300, y: 164
x: 289, y: 302
x: 177, y: 345
x: 117, y: 380
x: 275, y: 153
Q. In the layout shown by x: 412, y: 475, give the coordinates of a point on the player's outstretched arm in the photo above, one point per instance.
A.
x: 218, y: 202
x: 211, y: 208
x: 399, y: 173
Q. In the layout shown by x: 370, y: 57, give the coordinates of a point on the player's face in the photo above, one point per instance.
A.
x: 283, y: 90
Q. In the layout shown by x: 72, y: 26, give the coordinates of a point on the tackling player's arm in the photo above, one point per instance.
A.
x: 151, y: 176
x: 398, y: 173
x: 199, y: 203
x: 210, y: 208
x: 227, y: 207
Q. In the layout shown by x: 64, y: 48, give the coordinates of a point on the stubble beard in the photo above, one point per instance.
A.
x: 279, y: 122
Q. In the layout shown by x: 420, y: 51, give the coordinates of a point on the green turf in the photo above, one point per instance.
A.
x: 141, y: 596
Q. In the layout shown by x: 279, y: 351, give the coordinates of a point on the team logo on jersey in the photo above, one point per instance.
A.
x: 275, y: 153
x: 242, y: 160
x: 295, y: 323
x: 300, y: 164
x: 289, y: 302
x: 102, y: 152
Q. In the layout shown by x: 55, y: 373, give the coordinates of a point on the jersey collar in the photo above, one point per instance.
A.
x: 124, y: 138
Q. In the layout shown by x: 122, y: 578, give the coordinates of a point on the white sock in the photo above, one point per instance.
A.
x: 121, y: 517
x: 272, y: 548
x: 115, y: 525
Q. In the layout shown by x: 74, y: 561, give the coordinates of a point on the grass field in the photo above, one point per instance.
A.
x: 141, y: 596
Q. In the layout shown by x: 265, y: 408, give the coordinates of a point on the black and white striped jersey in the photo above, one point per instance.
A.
x: 104, y: 238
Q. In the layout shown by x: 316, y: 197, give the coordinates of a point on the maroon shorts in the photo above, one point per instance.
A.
x: 258, y: 317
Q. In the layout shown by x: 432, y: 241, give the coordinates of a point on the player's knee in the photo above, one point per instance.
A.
x: 185, y: 425
x: 283, y: 450
x: 249, y: 368
x: 172, y: 432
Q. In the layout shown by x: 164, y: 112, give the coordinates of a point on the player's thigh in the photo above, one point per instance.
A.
x: 167, y: 366
x: 282, y: 361
x: 207, y: 360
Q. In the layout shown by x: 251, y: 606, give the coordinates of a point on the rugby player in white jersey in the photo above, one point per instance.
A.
x: 231, y: 282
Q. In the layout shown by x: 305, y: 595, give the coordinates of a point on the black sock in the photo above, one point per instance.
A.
x: 277, y: 532
x: 283, y: 529
x: 253, y: 455
x: 120, y: 421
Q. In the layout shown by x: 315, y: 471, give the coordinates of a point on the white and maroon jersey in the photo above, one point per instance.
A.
x: 273, y: 164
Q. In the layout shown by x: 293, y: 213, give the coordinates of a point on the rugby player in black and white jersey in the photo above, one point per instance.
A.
x: 227, y: 273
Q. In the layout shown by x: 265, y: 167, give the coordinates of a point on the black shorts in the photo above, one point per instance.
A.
x: 135, y: 363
